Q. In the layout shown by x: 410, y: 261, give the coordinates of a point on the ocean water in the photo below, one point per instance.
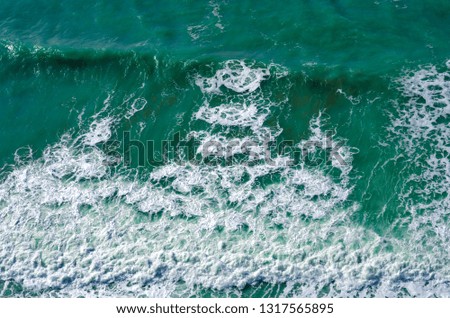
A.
x: 319, y: 164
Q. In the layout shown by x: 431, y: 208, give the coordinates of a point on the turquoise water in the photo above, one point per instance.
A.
x: 356, y: 206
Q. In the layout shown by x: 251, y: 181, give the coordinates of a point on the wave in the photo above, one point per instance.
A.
x: 81, y: 230
x: 75, y: 226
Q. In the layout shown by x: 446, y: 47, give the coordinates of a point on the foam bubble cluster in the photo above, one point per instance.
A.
x: 422, y: 127
x: 236, y: 75
x: 70, y: 226
x: 421, y: 132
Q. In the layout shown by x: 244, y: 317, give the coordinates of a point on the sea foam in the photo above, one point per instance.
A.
x: 73, y: 227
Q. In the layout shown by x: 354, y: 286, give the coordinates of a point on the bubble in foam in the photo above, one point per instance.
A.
x: 136, y: 106
x: 236, y: 75
x: 232, y: 115
x: 99, y: 131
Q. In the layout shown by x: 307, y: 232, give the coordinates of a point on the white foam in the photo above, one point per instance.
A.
x: 350, y: 98
x: 195, y: 31
x: 216, y: 13
x: 421, y: 132
x: 232, y: 115
x: 136, y: 106
x: 99, y: 131
x: 69, y: 224
x: 235, y: 75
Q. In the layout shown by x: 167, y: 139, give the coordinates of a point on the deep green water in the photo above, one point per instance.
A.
x: 364, y: 212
